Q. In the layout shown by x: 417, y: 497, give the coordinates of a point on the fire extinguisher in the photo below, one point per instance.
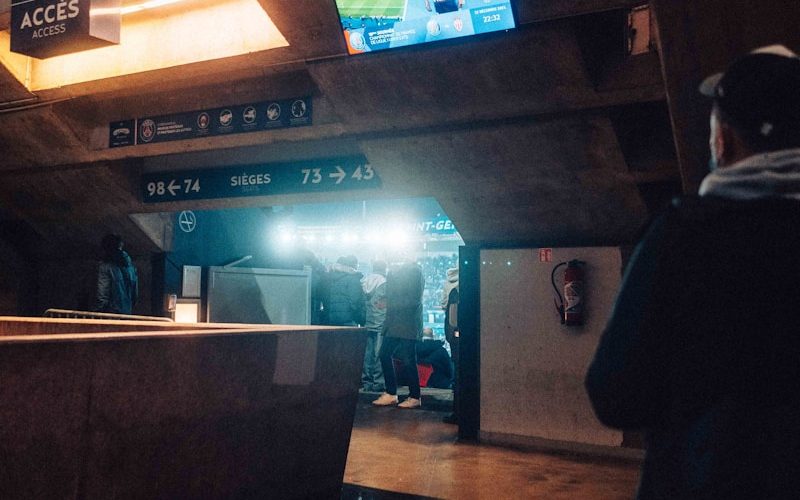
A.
x: 570, y: 306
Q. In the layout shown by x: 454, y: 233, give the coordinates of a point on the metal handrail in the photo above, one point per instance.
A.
x: 66, y: 313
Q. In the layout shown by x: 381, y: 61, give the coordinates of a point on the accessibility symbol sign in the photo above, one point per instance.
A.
x: 187, y: 221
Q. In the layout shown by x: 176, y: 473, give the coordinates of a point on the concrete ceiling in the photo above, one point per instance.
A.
x: 518, y: 135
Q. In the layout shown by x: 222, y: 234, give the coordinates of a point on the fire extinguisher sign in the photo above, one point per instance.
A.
x: 545, y: 255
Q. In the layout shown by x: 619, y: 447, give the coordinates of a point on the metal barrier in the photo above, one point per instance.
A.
x: 65, y: 313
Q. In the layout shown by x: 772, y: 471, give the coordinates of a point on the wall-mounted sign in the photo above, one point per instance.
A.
x: 47, y: 28
x: 238, y: 119
x: 337, y: 174
x: 187, y: 221
x: 438, y: 225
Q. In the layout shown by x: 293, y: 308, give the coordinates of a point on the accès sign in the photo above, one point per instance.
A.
x: 47, y: 28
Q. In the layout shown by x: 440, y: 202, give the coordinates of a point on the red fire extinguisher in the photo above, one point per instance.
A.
x: 570, y: 306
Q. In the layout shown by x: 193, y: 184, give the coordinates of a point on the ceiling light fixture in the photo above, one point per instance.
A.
x: 152, y: 4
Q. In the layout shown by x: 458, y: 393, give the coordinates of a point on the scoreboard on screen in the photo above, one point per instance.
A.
x: 372, y: 25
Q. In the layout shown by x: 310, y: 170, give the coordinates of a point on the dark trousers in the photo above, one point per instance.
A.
x: 404, y: 350
x: 456, y: 356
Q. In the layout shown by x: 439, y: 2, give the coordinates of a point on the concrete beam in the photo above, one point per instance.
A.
x: 699, y: 39
x: 531, y: 11
x: 5, y: 14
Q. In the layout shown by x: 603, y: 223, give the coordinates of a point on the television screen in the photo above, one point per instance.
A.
x: 371, y: 25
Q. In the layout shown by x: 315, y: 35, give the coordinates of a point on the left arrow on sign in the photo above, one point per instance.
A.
x: 172, y: 187
x: 339, y: 175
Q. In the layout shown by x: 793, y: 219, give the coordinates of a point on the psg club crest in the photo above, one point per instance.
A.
x: 147, y: 130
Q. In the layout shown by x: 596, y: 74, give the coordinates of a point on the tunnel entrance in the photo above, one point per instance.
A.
x: 269, y: 265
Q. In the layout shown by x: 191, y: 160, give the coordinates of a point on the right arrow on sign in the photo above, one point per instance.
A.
x: 339, y: 175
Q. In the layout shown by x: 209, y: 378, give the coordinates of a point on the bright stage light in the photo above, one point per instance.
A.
x: 397, y: 238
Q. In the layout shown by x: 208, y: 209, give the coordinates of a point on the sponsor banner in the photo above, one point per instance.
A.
x: 239, y: 119
x: 439, y: 225
x: 333, y: 174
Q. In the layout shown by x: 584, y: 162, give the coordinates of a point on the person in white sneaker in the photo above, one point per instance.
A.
x: 403, y: 325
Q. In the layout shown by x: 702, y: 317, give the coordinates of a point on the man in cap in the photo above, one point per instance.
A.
x: 702, y: 351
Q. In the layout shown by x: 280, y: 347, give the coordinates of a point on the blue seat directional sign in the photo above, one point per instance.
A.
x: 334, y: 174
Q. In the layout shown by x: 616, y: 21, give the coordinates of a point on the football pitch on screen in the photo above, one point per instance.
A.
x: 372, y: 8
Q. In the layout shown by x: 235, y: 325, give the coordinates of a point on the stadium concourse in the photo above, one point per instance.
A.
x: 197, y: 132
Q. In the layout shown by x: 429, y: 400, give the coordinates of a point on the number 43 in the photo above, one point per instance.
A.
x: 364, y: 173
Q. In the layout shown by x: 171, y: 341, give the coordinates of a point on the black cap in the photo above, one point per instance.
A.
x: 760, y: 92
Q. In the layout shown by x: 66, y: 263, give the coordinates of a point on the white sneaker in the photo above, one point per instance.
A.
x: 410, y: 403
x: 386, y: 399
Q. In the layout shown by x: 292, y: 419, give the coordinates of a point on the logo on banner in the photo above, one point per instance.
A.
x: 357, y: 40
x: 187, y: 221
x: 203, y: 120
x: 249, y: 114
x: 147, y: 130
x: 458, y: 24
x: 273, y: 111
x: 299, y: 108
x: 121, y: 133
x: 225, y: 117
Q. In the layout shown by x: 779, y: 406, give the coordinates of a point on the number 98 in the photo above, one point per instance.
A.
x: 154, y: 188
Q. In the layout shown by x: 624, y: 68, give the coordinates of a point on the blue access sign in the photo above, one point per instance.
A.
x: 334, y: 174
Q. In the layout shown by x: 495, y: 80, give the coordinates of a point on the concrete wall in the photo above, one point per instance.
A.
x: 532, y: 367
x: 251, y: 412
x: 17, y: 281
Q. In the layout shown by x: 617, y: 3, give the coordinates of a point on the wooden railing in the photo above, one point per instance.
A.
x: 66, y: 313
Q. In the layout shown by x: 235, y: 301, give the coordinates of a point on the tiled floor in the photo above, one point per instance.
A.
x: 413, y: 453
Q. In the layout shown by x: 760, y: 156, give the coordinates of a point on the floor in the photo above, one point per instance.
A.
x: 414, y: 455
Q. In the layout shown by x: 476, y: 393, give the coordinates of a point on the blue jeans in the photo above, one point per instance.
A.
x: 371, y: 373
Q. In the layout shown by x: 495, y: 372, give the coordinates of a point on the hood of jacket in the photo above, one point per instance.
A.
x: 450, y: 283
x: 770, y: 175
x: 371, y: 282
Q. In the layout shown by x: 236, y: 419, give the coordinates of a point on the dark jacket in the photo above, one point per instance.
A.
x: 702, y: 351
x: 117, y: 285
x: 342, y: 296
x: 404, y: 287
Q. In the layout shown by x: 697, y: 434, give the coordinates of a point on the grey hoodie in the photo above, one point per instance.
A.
x: 768, y: 175
x: 374, y: 286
